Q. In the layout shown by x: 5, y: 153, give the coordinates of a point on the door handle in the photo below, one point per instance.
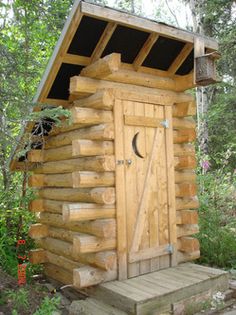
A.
x: 128, y: 162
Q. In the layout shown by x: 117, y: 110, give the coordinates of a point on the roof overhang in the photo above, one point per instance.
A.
x: 107, y: 23
x: 92, y: 31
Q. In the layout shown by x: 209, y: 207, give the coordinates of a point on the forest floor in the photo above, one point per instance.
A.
x: 11, y: 299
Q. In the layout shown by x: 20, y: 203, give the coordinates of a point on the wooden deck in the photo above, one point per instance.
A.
x: 160, y: 291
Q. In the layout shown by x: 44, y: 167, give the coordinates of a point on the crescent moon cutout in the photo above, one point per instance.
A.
x: 134, y: 146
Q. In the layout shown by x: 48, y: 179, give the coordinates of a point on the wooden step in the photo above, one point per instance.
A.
x: 159, y: 290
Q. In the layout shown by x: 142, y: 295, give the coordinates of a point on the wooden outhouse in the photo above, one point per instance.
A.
x: 116, y: 189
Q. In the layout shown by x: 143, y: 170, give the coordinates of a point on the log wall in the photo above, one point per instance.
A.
x: 75, y: 182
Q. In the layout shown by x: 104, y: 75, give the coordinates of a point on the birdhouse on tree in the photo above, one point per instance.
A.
x: 116, y: 189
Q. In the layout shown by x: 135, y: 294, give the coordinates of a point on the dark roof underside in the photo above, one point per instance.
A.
x: 125, y: 40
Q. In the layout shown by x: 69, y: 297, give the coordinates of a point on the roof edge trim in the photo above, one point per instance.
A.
x: 66, y: 27
x: 145, y: 24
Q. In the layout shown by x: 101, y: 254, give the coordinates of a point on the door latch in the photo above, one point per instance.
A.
x: 165, y: 123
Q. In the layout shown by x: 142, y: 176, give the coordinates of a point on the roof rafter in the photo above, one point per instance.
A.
x: 109, y: 30
x: 145, y: 50
x: 180, y: 58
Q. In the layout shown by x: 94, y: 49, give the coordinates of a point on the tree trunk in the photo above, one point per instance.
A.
x: 196, y: 7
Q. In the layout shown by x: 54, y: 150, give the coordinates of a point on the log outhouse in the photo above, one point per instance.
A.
x: 116, y: 190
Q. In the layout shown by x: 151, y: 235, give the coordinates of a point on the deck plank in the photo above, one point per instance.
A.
x: 158, y: 290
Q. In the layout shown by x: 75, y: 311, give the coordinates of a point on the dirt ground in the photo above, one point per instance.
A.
x: 37, y: 291
x: 42, y: 287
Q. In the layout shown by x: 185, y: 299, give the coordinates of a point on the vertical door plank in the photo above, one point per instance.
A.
x: 171, y: 185
x: 120, y: 192
x: 153, y: 204
x: 142, y: 211
x: 141, y: 168
x: 162, y: 193
x: 130, y: 185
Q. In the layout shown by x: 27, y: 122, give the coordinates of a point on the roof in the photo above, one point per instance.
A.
x: 93, y: 31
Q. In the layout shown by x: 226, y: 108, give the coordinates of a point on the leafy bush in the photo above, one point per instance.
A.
x: 19, y: 299
x: 48, y: 306
x: 217, y: 217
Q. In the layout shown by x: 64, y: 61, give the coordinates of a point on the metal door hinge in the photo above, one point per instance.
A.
x: 165, y: 123
x: 169, y: 249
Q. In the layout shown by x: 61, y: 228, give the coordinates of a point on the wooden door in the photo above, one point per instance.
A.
x: 146, y: 227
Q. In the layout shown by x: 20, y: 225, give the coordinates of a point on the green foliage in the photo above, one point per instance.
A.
x: 19, y: 299
x: 217, y: 218
x: 29, y: 31
x: 221, y: 119
x: 48, y: 306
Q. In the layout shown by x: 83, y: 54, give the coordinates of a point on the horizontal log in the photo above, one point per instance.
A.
x: 90, y: 116
x: 37, y: 256
x: 185, y: 176
x: 188, y: 244
x: 83, y: 244
x: 187, y: 229
x: 38, y: 230
x: 146, y: 97
x: 184, y: 149
x: 88, y: 86
x: 74, y: 180
x: 58, y: 154
x: 89, y: 276
x: 35, y: 156
x: 142, y: 79
x: 62, y: 234
x: 184, y: 123
x: 92, y: 147
x: 57, y: 180
x: 94, y: 164
x: 185, y: 162
x: 100, y: 195
x: 36, y: 205
x: 100, y: 132
x: 103, y: 67
x: 184, y: 257
x: 73, y: 211
x: 184, y: 109
x: 82, y: 212
x: 187, y: 203
x: 79, y: 148
x: 56, y: 246
x: 62, y: 262
x: 186, y: 217
x: 184, y: 135
x: 102, y: 99
x: 16, y: 166
x: 36, y: 180
x: 57, y: 273
x: 103, y: 228
x: 93, y: 179
x: 185, y: 82
x: 185, y: 190
x: 106, y: 260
